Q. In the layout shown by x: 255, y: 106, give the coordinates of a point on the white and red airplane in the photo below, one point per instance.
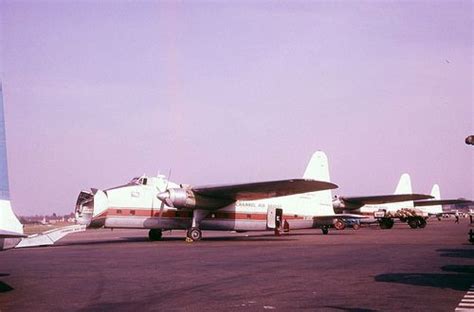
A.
x: 157, y: 204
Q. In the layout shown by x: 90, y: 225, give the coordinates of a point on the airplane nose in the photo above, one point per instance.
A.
x: 84, y: 208
x: 89, y: 205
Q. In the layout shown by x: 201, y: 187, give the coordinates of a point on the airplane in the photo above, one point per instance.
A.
x: 433, y: 207
x: 11, y: 230
x: 381, y: 208
x: 157, y: 204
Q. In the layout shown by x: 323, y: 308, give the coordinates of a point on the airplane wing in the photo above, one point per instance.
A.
x: 441, y: 202
x: 261, y: 190
x: 383, y: 199
x: 10, y: 234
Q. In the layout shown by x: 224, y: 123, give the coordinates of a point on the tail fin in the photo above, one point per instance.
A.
x: 434, y: 209
x: 435, y: 191
x: 8, y: 220
x: 403, y: 187
x: 320, y: 203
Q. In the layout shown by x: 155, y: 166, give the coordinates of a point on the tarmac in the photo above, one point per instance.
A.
x: 365, y: 270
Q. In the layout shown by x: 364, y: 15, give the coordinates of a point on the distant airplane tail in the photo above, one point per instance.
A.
x: 318, y: 203
x: 403, y: 187
x: 11, y: 230
x: 434, y: 209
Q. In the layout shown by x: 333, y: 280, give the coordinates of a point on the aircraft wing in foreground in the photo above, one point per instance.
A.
x: 214, y: 197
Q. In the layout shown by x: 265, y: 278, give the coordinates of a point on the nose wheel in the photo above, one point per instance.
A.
x: 194, y: 233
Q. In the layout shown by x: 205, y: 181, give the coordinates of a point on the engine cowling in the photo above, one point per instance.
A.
x: 182, y: 198
x: 179, y: 198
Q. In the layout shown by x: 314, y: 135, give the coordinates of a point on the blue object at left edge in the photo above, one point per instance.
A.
x: 4, y: 189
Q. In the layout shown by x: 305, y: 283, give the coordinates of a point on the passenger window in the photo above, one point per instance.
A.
x: 119, y: 211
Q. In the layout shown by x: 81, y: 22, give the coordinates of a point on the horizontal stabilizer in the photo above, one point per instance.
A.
x: 383, y: 199
x: 10, y: 234
x: 261, y: 190
x: 50, y: 237
x: 442, y: 202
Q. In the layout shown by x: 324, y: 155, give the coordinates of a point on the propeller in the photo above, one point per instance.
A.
x: 165, y: 196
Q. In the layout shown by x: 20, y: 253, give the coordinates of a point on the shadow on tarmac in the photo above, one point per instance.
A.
x: 457, y: 253
x: 4, y: 287
x: 250, y: 238
x: 125, y: 240
x: 462, y: 280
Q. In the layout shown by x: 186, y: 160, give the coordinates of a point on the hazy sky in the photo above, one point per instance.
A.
x: 97, y: 92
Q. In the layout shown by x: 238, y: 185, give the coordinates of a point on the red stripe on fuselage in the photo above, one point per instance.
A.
x: 131, y: 212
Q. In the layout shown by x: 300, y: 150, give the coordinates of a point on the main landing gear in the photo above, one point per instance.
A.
x: 155, y: 234
x: 194, y: 233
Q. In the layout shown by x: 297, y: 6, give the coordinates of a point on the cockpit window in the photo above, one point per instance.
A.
x: 135, y: 180
x: 139, y: 180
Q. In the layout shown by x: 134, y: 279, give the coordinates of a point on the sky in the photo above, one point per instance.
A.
x: 97, y: 92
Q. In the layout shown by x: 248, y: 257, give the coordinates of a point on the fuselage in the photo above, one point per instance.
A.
x: 136, y: 205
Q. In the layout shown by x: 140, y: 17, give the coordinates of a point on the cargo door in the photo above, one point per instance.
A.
x: 274, y: 217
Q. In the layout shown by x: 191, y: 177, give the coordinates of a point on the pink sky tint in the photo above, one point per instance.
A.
x: 98, y: 92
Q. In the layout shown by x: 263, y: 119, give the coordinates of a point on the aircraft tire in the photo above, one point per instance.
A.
x: 195, y: 234
x: 355, y: 226
x: 155, y: 234
x: 325, y: 230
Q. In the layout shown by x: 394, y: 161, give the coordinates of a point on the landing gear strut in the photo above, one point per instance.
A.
x: 155, y: 234
x: 325, y: 229
x: 194, y: 233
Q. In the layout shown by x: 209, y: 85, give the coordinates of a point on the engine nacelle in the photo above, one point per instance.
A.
x: 180, y: 198
x: 183, y: 198
x: 340, y: 205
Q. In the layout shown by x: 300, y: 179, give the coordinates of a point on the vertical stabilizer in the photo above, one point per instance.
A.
x: 435, y: 192
x: 318, y: 169
x: 434, y: 209
x: 8, y: 220
x: 403, y: 187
